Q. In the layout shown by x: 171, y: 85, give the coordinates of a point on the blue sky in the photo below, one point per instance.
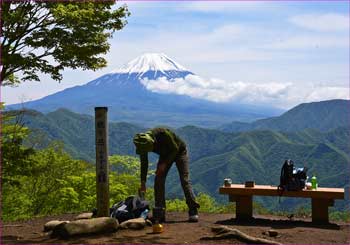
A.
x: 274, y: 53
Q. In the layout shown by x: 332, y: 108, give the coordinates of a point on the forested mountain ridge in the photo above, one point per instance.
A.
x: 323, y: 116
x: 77, y: 133
x: 253, y: 155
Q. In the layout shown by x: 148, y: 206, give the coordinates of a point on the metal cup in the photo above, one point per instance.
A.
x: 227, y: 182
x: 157, y: 228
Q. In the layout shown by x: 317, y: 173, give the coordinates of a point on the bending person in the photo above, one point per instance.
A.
x: 170, y: 148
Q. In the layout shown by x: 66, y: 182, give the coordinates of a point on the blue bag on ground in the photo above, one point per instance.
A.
x: 132, y: 207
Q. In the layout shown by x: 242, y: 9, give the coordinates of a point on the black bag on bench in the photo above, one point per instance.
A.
x: 292, y: 179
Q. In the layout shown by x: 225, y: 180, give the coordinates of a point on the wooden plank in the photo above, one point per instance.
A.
x: 267, y: 190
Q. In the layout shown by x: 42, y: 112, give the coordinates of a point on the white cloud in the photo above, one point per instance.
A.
x: 282, y: 95
x: 310, y: 41
x: 212, y: 40
x: 328, y: 92
x: 227, y: 33
x: 222, y: 6
x: 323, y: 22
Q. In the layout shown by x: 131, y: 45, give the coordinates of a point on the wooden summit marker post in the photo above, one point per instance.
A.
x: 102, y: 179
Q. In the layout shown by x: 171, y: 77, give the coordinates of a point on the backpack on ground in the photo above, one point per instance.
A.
x: 130, y: 208
x: 292, y: 179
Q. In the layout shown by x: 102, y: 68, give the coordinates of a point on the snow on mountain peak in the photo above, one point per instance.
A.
x: 150, y: 62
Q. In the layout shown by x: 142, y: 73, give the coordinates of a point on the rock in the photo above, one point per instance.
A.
x: 49, y: 226
x: 136, y: 224
x: 84, y: 216
x: 272, y: 233
x: 86, y: 226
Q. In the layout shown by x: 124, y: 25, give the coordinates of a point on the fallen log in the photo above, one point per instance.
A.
x: 85, y: 226
x: 135, y: 224
x: 49, y: 226
x: 84, y: 216
x: 225, y: 232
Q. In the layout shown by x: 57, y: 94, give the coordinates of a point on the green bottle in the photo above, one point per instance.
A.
x: 314, y: 182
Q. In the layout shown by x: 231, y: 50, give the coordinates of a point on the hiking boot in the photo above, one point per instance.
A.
x: 158, y: 213
x: 193, y: 215
x: 161, y: 220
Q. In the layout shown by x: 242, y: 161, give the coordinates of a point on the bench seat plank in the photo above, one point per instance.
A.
x: 268, y: 190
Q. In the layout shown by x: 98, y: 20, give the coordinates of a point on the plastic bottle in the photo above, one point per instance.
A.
x: 314, y: 182
x: 144, y: 214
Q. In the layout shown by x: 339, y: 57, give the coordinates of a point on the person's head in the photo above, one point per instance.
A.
x: 143, y: 142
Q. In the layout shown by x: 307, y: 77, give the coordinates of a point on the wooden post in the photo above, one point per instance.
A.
x: 102, y: 179
x: 244, y: 206
x: 320, y: 209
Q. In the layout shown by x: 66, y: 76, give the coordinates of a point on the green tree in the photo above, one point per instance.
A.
x: 46, y: 37
x: 53, y: 183
x: 125, y: 178
x: 14, y: 156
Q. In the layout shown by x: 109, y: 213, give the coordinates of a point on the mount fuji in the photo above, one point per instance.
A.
x: 128, y: 100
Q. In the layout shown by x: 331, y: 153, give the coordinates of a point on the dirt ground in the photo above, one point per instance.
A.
x: 177, y: 230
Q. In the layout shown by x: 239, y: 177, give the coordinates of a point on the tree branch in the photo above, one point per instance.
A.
x: 225, y: 232
x: 21, y: 6
x: 23, y: 34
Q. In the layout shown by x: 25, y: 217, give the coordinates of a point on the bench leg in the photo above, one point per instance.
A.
x: 320, y: 209
x: 244, y: 207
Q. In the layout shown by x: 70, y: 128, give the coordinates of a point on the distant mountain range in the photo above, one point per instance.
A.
x: 251, y: 155
x: 129, y: 101
x: 325, y: 115
x: 259, y: 155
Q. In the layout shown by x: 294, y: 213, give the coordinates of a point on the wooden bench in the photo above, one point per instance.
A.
x: 321, y: 199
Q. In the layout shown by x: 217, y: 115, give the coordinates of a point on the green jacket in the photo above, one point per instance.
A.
x: 166, y: 144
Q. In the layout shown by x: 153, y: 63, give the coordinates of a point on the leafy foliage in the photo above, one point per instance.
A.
x: 207, y: 203
x: 14, y: 155
x: 125, y: 178
x: 54, y: 183
x: 46, y: 37
x: 341, y: 216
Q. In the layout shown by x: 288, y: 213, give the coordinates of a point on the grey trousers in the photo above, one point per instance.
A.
x: 182, y: 164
